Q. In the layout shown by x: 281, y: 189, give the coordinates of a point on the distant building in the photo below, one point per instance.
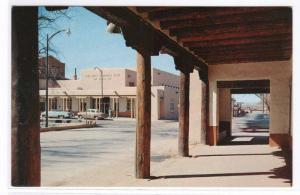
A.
x: 118, y: 94
x: 56, y: 69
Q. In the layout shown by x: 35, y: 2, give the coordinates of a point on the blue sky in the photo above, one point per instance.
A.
x: 89, y: 44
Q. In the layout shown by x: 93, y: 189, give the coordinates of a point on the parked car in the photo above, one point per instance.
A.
x: 57, y: 114
x: 257, y: 121
x: 92, y: 114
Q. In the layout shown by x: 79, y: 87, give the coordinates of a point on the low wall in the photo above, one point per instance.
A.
x: 62, y: 128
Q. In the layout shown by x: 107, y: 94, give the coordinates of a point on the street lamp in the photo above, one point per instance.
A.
x: 68, y: 32
x: 101, y: 73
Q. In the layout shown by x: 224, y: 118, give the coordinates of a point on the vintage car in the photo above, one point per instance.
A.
x: 257, y: 121
x: 92, y: 114
x: 57, y: 114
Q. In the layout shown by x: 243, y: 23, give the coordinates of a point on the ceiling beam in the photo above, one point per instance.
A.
x: 259, y: 16
x: 244, y: 84
x: 153, y: 9
x: 281, y: 44
x: 245, y: 59
x: 230, y: 28
x: 227, y: 35
x: 250, y: 91
x: 239, y: 41
x: 201, y: 12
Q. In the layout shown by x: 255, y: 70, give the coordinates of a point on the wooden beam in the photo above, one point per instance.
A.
x: 240, y: 41
x: 258, y: 84
x: 250, y: 91
x: 246, y: 53
x: 239, y: 18
x: 230, y: 28
x: 153, y: 9
x: 25, y: 137
x: 183, y: 138
x: 143, y: 117
x: 202, y: 12
x: 246, y: 59
x: 275, y: 45
x: 243, y: 34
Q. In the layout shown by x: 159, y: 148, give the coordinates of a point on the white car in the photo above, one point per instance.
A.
x: 92, y: 114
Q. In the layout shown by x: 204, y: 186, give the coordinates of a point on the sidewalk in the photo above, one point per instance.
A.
x: 215, y: 166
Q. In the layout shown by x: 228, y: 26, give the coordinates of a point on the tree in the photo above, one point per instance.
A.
x: 47, y: 22
x: 265, y: 98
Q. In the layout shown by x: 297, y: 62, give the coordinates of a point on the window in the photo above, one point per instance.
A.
x: 172, y: 106
x: 131, y: 84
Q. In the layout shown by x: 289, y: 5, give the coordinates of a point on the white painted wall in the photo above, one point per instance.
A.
x: 279, y: 74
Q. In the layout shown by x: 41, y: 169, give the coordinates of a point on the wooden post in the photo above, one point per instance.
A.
x: 25, y: 138
x: 184, y: 103
x: 143, y: 120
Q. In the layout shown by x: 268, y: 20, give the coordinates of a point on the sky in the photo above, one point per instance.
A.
x: 90, y: 45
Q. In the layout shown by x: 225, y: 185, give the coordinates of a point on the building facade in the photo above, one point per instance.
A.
x: 56, y: 68
x: 113, y: 91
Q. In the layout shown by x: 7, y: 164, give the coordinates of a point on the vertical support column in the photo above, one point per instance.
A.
x: 131, y: 108
x: 212, y: 134
x: 25, y: 138
x: 117, y: 107
x: 184, y: 103
x: 63, y: 104
x: 143, y: 122
x: 114, y: 107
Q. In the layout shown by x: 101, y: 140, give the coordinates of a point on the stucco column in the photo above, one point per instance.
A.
x: 224, y: 113
x: 117, y: 107
x: 25, y: 137
x: 131, y: 108
x: 212, y: 134
x: 279, y: 111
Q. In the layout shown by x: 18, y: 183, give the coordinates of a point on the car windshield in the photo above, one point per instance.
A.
x: 259, y: 116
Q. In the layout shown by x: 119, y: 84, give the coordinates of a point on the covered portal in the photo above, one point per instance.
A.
x: 213, y: 43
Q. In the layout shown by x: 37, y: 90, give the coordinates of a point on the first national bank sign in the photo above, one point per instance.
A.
x: 106, y: 76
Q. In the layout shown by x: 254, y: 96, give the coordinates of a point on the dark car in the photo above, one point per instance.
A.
x: 257, y: 121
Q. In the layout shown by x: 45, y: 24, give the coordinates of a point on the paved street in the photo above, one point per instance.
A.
x: 67, y: 153
x: 104, y: 156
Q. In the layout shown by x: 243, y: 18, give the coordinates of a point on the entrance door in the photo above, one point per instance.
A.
x: 161, y: 108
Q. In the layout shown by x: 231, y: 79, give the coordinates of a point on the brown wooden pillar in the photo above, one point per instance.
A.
x: 143, y: 122
x: 184, y: 104
x: 25, y: 151
x: 146, y: 43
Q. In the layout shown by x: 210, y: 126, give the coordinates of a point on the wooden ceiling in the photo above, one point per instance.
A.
x: 221, y: 35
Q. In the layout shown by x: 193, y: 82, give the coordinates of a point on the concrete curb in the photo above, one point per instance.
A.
x: 67, y: 127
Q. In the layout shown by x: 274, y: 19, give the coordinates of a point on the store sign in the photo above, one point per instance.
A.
x: 106, y: 76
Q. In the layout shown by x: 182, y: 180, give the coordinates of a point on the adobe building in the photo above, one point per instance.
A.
x: 114, y: 89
